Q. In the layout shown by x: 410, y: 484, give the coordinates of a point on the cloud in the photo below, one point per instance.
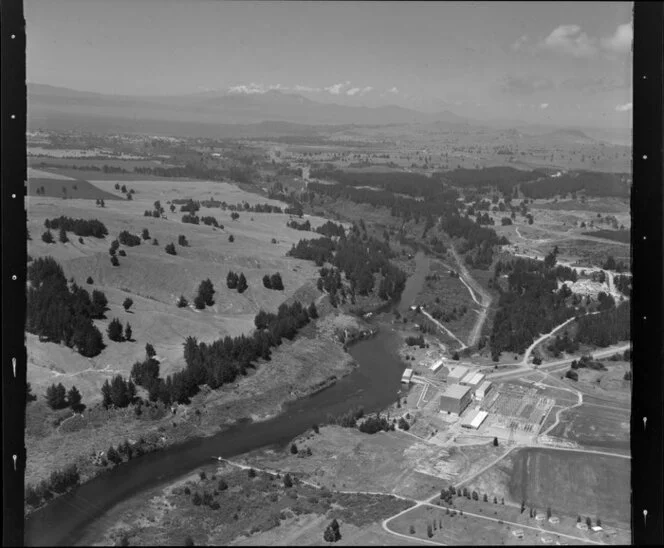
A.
x: 593, y: 85
x: 366, y: 89
x: 525, y: 86
x: 309, y: 89
x: 353, y: 91
x: 394, y: 90
x: 544, y: 106
x: 520, y: 43
x: 624, y: 108
x: 253, y: 88
x: 570, y: 40
x: 335, y: 89
x: 621, y: 41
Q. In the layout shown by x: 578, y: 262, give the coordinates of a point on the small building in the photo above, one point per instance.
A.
x: 455, y: 399
x: 456, y: 374
x: 407, y: 376
x: 437, y: 365
x: 483, y: 389
x: 596, y: 528
x: 518, y: 533
x: 554, y: 520
x: 540, y: 517
x: 474, y: 419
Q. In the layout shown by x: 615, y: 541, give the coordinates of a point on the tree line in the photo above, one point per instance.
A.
x: 220, y: 362
x: 80, y: 227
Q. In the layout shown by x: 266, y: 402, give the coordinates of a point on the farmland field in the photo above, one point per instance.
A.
x: 595, y: 427
x: 573, y: 483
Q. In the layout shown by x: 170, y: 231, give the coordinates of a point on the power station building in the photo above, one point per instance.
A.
x: 472, y: 379
x: 455, y: 399
x: 456, y: 374
x: 483, y: 390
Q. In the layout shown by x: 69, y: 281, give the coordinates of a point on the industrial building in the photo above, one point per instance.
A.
x: 455, y: 399
x: 407, y: 376
x: 483, y: 390
x: 472, y: 379
x: 475, y: 419
x: 437, y: 365
x: 456, y: 374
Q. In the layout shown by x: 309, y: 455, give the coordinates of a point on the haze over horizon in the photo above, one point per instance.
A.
x: 559, y: 63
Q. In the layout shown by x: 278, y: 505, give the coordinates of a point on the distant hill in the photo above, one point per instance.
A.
x: 48, y: 102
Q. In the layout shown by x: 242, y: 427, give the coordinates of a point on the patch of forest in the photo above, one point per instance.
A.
x: 410, y: 184
x: 592, y: 183
x: 532, y: 305
x: 624, y: 236
x: 359, y: 257
x: 80, y: 227
x: 504, y: 178
x: 61, y: 313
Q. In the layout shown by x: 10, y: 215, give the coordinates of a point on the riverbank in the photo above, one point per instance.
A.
x: 298, y: 369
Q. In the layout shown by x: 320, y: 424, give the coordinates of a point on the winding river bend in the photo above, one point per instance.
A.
x: 373, y: 385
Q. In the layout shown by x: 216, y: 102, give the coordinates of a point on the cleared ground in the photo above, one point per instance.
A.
x: 252, y: 511
x: 393, y: 462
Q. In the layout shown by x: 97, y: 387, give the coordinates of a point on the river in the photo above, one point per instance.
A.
x: 374, y: 385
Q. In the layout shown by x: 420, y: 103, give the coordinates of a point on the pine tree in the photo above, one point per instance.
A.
x: 74, y: 397
x: 267, y: 283
x: 115, y: 261
x: 127, y: 333
x: 242, y: 284
x: 113, y: 455
x: 288, y: 482
x: 150, y: 351
x: 56, y: 396
x: 115, y: 330
x: 62, y: 236
x: 313, y: 312
x: 182, y: 302
x: 47, y: 237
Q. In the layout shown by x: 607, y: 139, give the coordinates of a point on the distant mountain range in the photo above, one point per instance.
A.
x: 223, y: 108
x: 219, y: 114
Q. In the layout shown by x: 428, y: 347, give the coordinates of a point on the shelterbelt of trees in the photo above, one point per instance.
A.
x: 533, y: 305
x: 217, y: 363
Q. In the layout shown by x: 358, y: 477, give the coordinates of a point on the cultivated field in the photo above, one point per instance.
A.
x: 573, y: 483
x: 595, y: 426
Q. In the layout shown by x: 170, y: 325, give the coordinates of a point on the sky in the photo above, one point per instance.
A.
x: 540, y: 62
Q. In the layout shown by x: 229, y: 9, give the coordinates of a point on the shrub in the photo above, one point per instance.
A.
x: 115, y: 261
x: 293, y: 449
x: 222, y: 486
x: 170, y: 249
x: 182, y: 302
x: 47, y: 237
x: 127, y: 303
x: 182, y: 241
x: 288, y: 482
x: 122, y: 253
x: 251, y: 473
x: 89, y: 280
x: 231, y: 238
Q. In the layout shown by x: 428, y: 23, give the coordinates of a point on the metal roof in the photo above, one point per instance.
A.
x: 484, y: 386
x: 458, y: 371
x: 456, y: 391
x: 472, y: 378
